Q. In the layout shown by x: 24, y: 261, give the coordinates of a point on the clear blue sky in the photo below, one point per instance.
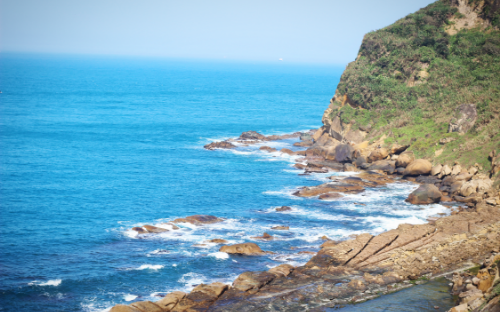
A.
x: 309, y: 31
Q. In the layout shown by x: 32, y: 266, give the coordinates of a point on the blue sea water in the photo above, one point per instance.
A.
x: 93, y: 146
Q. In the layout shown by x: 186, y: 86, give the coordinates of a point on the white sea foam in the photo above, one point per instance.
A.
x: 286, y: 193
x: 55, y: 282
x: 129, y: 297
x: 191, y: 279
x: 149, y: 267
x: 219, y: 255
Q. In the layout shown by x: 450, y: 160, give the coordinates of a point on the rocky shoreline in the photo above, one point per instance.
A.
x: 366, y: 266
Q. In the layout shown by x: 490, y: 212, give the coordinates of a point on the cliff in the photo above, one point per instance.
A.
x: 410, y: 81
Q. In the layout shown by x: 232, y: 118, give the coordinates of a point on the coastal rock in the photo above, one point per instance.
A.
x: 252, y: 135
x: 286, y: 151
x: 199, y: 219
x: 329, y: 188
x: 139, y: 230
x: 446, y: 170
x: 217, y: 241
x: 425, y: 194
x: 280, y: 228
x: 360, y: 161
x: 418, y: 167
x: 436, y: 170
x: 265, y: 236
x: 378, y: 154
x: 243, y: 249
x: 306, y: 143
x: 404, y: 160
x: 153, y: 229
x: 299, y: 166
x: 268, y: 149
x: 252, y: 281
x: 146, y: 306
x: 457, y: 169
x: 388, y: 166
x: 377, y: 178
x: 305, y: 137
x: 124, y: 308
x: 398, y: 149
x: 475, y: 186
x: 281, y: 270
x: 330, y: 196
x: 344, y: 153
x: 216, y: 145
x: 168, y: 302
x: 284, y: 208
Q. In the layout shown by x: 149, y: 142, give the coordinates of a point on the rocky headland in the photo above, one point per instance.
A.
x: 413, y: 107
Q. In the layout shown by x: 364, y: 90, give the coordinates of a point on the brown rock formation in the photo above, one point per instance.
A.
x: 425, y: 194
x: 243, y: 249
x: 216, y: 145
x: 199, y: 219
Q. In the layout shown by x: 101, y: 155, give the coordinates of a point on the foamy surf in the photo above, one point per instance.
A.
x: 55, y: 282
x: 129, y: 297
x: 149, y: 267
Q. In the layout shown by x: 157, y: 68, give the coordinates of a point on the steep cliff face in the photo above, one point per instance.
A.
x: 418, y: 80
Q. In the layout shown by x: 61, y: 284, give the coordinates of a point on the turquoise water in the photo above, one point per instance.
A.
x: 92, y: 146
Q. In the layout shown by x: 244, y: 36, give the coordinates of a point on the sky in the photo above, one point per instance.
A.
x: 312, y: 31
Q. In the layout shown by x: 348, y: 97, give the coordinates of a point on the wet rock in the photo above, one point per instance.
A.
x: 280, y: 228
x: 331, y: 165
x: 378, y: 154
x: 344, y: 153
x: 268, y: 149
x: 216, y: 145
x: 146, y: 306
x: 243, y: 249
x: 330, y: 196
x: 218, y: 241
x: 281, y: 270
x: 404, y: 160
x: 358, y: 181
x: 425, y: 194
x: 313, y: 169
x: 427, y: 180
x: 418, y: 167
x: 300, y: 166
x: 154, y: 229
x: 376, y: 178
x: 284, y: 208
x: 252, y: 135
x: 139, y: 230
x: 199, y: 219
x: 265, y: 236
x: 329, y: 188
x: 286, y: 151
x: 307, y: 143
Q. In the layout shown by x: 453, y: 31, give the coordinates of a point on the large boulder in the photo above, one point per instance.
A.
x: 243, y: 249
x: 404, y: 160
x: 336, y: 129
x: 378, y: 154
x: 199, y: 219
x: 436, y: 170
x: 398, y: 149
x: 418, y: 167
x: 446, y: 170
x: 425, y: 194
x: 344, y: 153
x: 146, y: 306
x: 216, y: 145
x: 464, y: 119
x: 388, y: 166
x: 124, y: 308
x: 476, y: 186
x: 282, y: 270
x: 252, y: 135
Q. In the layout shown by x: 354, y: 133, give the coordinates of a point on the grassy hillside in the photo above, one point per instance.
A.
x: 410, y: 77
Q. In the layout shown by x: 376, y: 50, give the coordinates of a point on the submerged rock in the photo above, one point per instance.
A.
x: 280, y: 228
x: 329, y: 188
x: 199, y: 219
x: 252, y: 135
x: 425, y: 194
x: 284, y: 208
x: 268, y: 149
x: 223, y: 144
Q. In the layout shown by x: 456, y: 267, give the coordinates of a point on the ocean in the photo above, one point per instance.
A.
x: 93, y: 146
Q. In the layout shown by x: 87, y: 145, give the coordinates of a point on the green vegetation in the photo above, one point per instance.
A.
x: 474, y: 270
x: 410, y: 77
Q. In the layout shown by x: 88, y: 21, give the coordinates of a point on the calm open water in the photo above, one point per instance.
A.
x: 92, y: 146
